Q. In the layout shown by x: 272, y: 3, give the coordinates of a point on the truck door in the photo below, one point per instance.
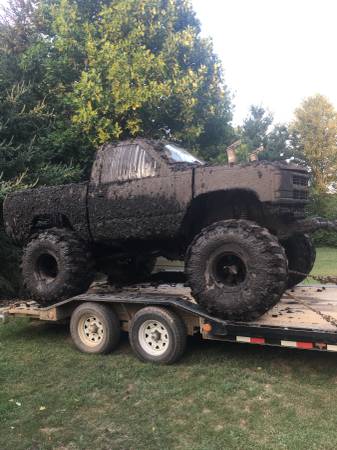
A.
x: 135, y: 195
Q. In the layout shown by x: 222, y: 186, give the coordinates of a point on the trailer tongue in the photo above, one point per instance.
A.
x: 158, y: 319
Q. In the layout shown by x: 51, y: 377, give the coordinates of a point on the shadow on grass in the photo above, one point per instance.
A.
x: 305, y: 365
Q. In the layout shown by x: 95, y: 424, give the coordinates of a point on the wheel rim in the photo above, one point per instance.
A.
x: 90, y: 330
x: 46, y: 268
x: 229, y: 269
x: 153, y: 337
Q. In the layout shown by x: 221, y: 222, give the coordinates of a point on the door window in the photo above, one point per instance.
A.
x: 127, y: 162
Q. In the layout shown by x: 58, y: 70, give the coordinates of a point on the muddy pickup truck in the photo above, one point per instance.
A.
x: 234, y: 226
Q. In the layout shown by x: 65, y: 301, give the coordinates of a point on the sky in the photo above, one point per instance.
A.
x: 274, y: 52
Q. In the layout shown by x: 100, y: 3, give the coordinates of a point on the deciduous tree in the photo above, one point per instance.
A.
x: 148, y: 72
x: 314, y: 132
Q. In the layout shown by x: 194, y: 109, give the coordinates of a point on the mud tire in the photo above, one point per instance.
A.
x: 130, y: 271
x: 56, y: 265
x: 260, y: 269
x: 174, y: 328
x: 301, y: 255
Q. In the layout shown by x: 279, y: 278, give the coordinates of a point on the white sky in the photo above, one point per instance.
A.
x: 275, y: 52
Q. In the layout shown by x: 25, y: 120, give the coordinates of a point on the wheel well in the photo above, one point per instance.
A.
x: 221, y: 205
x: 45, y: 221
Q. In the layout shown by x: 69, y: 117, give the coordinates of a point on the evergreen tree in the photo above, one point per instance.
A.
x: 255, y: 127
x: 277, y: 145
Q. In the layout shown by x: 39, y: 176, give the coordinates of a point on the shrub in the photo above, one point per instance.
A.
x: 324, y: 205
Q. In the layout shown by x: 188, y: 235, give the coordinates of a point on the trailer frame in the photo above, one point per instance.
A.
x: 305, y: 318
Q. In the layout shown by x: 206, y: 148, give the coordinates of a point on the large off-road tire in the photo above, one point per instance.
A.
x: 56, y: 265
x: 157, y: 335
x: 95, y: 328
x: 129, y: 270
x: 301, y: 255
x: 236, y: 269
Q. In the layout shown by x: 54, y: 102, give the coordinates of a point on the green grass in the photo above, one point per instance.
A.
x: 326, y: 262
x: 220, y: 396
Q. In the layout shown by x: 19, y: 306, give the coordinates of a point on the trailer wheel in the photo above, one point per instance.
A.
x: 236, y: 269
x: 301, y: 255
x: 157, y: 335
x: 95, y: 328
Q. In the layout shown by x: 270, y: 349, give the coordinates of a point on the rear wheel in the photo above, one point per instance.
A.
x: 301, y: 255
x: 56, y: 265
x: 236, y: 269
x: 95, y: 328
x: 157, y: 335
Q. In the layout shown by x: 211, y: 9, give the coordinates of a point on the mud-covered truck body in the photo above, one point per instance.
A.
x: 148, y: 198
x: 138, y: 190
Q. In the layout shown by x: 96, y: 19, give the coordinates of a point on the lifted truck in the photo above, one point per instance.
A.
x: 159, y: 319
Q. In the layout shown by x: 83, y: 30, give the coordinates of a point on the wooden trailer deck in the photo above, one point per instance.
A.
x: 309, y: 308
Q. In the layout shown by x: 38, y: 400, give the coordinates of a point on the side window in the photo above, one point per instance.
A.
x: 127, y: 162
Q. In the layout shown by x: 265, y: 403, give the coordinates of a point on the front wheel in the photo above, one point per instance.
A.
x: 236, y: 269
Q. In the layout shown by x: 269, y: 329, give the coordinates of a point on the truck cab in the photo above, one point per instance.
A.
x: 139, y: 191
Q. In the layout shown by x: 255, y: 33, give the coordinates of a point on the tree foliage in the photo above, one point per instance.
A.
x: 255, y: 127
x: 259, y: 133
x: 324, y: 205
x: 314, y: 133
x: 148, y: 72
x: 76, y: 73
x: 278, y: 144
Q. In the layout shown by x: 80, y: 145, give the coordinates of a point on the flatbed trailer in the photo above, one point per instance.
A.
x: 159, y: 318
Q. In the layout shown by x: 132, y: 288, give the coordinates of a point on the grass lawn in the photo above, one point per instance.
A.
x: 220, y: 396
x: 326, y: 262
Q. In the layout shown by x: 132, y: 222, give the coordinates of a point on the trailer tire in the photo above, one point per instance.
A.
x: 157, y: 335
x: 56, y: 265
x: 301, y: 255
x: 95, y: 328
x: 236, y: 269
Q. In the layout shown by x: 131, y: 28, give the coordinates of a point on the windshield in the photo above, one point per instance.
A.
x: 177, y: 154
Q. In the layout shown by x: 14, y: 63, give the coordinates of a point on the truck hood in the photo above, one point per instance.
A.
x: 268, y: 181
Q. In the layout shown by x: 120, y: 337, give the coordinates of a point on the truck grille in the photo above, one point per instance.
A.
x: 300, y: 195
x: 300, y: 181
